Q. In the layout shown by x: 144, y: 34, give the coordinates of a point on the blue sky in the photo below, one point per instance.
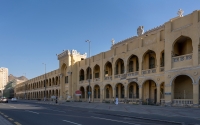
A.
x: 34, y: 31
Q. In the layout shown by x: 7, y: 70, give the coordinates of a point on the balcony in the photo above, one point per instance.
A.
x: 162, y: 69
x: 108, y: 78
x: 81, y: 82
x: 121, y: 76
x: 182, y: 61
x: 96, y: 79
x: 132, y: 74
x: 149, y: 71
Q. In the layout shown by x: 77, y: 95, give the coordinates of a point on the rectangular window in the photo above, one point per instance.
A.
x: 66, y: 79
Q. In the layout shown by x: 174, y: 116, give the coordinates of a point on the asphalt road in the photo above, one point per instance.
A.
x: 28, y: 113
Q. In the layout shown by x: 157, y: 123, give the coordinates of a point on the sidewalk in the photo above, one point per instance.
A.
x: 4, y: 121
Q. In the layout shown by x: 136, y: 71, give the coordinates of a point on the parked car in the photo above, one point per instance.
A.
x: 4, y: 99
x: 13, y: 100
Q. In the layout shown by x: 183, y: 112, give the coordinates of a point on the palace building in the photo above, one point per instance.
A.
x: 159, y: 66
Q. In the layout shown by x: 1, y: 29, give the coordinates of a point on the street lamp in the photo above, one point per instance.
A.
x: 25, y: 85
x: 44, y: 81
x: 89, y: 69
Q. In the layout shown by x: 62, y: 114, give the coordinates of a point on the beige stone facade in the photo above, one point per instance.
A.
x: 159, y: 66
x: 3, y: 79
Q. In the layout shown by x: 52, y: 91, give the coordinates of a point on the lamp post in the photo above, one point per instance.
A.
x: 89, y: 70
x: 25, y: 88
x: 44, y: 82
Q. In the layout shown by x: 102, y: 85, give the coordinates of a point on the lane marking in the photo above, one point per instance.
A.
x: 114, y: 120
x: 10, y: 119
x: 17, y: 123
x: 71, y: 122
x: 56, y: 110
x: 12, y: 106
x: 5, y: 116
x: 32, y: 112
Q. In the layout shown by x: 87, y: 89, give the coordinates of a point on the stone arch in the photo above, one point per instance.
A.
x: 96, y: 71
x: 193, y: 81
x: 149, y: 79
x: 108, y: 69
x: 89, y: 73
x: 133, y: 63
x: 81, y: 75
x: 82, y: 89
x: 96, y: 89
x: 149, y: 60
x: 182, y: 87
x: 119, y: 66
x: 182, y: 46
x: 120, y: 90
x: 108, y: 91
x: 133, y: 90
x: 149, y: 92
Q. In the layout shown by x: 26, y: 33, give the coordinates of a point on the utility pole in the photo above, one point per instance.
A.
x: 89, y: 93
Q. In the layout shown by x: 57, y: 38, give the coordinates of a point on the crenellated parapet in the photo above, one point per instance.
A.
x: 63, y: 54
x: 155, y: 28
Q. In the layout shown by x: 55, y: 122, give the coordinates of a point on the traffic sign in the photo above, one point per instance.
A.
x: 78, y: 93
x: 89, y: 93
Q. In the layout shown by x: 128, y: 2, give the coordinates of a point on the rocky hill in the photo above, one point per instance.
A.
x: 11, y: 77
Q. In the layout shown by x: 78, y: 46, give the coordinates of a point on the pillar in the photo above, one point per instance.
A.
x: 125, y: 92
x: 195, y: 94
x: 140, y: 94
x: 114, y: 92
x: 102, y: 93
x: 158, y: 62
x: 158, y: 95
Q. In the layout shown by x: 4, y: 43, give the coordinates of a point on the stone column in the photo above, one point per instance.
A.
x: 85, y: 94
x: 140, y: 94
x: 125, y: 92
x: 140, y: 65
x: 103, y: 96
x: 158, y: 95
x: 114, y: 92
x: 158, y: 62
x: 195, y: 94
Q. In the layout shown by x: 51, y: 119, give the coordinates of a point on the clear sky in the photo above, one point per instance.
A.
x: 34, y: 31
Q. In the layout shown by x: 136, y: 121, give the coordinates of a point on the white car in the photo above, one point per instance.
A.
x: 13, y: 100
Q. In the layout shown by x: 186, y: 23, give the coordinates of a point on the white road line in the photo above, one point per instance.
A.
x: 56, y: 110
x: 71, y: 122
x: 32, y: 112
x: 114, y: 120
x: 12, y: 106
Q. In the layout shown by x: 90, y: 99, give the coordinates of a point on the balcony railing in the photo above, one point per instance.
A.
x: 96, y: 79
x: 182, y: 58
x: 183, y: 101
x: 121, y: 76
x: 108, y: 78
x: 162, y: 69
x: 149, y: 71
x: 81, y: 82
x: 132, y: 73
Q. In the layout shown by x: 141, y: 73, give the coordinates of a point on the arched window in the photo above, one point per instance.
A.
x: 151, y: 62
x: 131, y: 91
x: 107, y: 93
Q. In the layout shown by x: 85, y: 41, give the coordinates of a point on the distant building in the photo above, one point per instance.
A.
x: 3, y: 79
x: 9, y: 88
